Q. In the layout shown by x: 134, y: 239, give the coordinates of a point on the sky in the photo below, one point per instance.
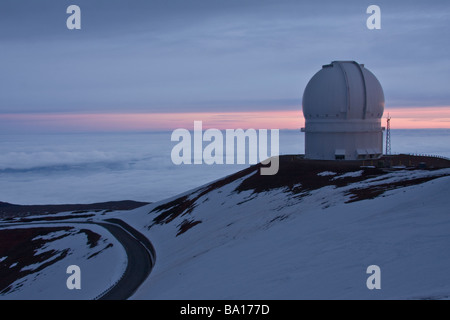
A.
x: 140, y: 65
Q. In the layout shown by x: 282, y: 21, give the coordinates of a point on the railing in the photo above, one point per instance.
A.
x: 105, y: 292
x: 427, y: 155
x: 418, y: 155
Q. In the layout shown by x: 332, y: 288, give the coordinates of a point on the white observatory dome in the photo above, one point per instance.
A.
x: 343, y: 104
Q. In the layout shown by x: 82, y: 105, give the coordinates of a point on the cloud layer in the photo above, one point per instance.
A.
x: 48, y: 169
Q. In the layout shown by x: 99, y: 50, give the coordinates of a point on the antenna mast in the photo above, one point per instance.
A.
x: 388, y: 135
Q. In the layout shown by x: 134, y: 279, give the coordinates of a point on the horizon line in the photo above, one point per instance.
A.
x: 402, y: 118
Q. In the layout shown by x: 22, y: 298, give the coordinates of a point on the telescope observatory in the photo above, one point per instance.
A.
x: 343, y: 105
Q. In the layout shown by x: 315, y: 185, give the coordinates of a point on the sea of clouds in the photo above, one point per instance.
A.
x: 86, y: 168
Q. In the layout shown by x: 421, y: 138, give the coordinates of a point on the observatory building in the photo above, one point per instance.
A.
x: 343, y: 104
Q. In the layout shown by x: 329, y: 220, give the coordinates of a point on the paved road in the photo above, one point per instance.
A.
x: 141, y: 257
x: 140, y: 254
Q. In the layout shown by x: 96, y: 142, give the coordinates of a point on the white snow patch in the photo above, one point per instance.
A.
x: 353, y: 174
x: 51, y: 235
x: 327, y: 173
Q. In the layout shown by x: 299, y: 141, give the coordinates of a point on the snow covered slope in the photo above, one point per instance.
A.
x: 34, y: 258
x: 309, y: 232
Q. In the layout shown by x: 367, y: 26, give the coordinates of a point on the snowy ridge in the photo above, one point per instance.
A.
x: 290, y: 237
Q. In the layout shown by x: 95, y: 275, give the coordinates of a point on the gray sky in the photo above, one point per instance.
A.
x: 213, y: 55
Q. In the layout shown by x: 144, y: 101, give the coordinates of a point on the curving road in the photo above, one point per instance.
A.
x: 141, y: 258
